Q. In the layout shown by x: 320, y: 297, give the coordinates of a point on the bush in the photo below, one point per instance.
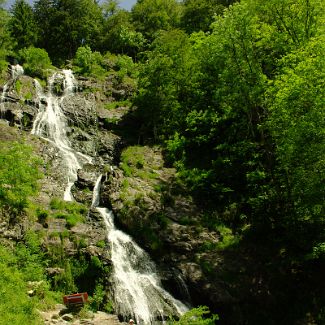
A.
x: 36, y: 61
x: 196, y: 316
x: 16, y: 308
x: 88, y: 62
x: 18, y: 176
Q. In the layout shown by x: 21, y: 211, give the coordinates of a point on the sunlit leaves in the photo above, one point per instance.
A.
x: 18, y: 176
x: 297, y: 123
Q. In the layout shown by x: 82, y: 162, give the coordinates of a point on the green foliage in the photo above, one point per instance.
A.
x: 99, y: 300
x: 22, y: 270
x: 240, y: 111
x: 19, y: 173
x: 88, y: 62
x: 117, y: 104
x: 72, y: 212
x: 36, y: 62
x: 196, y: 316
x: 41, y: 215
x: 227, y: 238
x: 119, y: 34
x: 18, y: 86
x: 22, y: 25
x: 16, y: 307
x: 93, y: 64
x: 67, y: 25
x: 132, y: 159
x: 163, y: 81
x: 101, y: 243
x: 6, y: 43
x: 198, y: 15
x: 151, y: 16
x: 296, y: 121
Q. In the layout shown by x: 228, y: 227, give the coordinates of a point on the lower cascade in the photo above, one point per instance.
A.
x: 136, y: 286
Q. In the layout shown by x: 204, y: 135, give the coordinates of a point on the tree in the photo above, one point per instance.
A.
x: 68, y: 24
x: 199, y: 15
x: 119, y: 34
x: 297, y: 124
x: 151, y: 16
x: 6, y: 42
x: 22, y: 24
x: 164, y: 82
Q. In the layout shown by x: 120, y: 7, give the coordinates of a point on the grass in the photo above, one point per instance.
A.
x: 134, y: 162
x: 117, y: 104
x: 72, y: 212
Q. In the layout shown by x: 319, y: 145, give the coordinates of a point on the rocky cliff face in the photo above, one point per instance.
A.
x: 145, y: 196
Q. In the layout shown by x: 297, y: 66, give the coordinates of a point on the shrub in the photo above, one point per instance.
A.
x: 72, y: 212
x: 18, y: 176
x: 36, y: 61
x: 88, y: 62
x: 41, y: 215
x: 196, y: 316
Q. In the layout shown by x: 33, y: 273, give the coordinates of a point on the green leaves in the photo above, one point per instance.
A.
x: 151, y: 16
x: 22, y: 25
x: 297, y: 124
x: 36, y: 61
x: 19, y: 173
x: 196, y: 316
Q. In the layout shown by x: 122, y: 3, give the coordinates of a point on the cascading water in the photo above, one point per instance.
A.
x: 50, y: 124
x: 16, y: 71
x: 137, y: 288
x: 4, y: 92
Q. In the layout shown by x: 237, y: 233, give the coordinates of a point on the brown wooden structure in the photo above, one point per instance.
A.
x: 76, y: 299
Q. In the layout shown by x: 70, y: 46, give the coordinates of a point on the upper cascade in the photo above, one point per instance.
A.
x: 50, y: 124
x: 16, y: 71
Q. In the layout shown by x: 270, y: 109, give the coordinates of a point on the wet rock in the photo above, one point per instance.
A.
x: 87, y: 177
x: 85, y: 183
x: 79, y: 111
x: 95, y: 215
x: 109, y: 146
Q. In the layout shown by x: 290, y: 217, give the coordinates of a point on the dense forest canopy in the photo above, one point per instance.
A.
x: 233, y: 91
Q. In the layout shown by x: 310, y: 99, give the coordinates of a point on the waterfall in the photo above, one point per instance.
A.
x: 4, y: 93
x: 16, y: 71
x: 50, y: 124
x: 137, y: 288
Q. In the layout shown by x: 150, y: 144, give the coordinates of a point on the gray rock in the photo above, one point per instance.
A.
x: 67, y: 317
x: 87, y: 177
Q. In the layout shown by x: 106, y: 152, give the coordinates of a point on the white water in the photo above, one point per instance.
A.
x: 4, y: 92
x: 50, y: 124
x: 16, y: 71
x: 3, y: 98
x: 137, y: 288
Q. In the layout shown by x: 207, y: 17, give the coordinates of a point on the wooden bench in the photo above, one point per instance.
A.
x: 75, y: 300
